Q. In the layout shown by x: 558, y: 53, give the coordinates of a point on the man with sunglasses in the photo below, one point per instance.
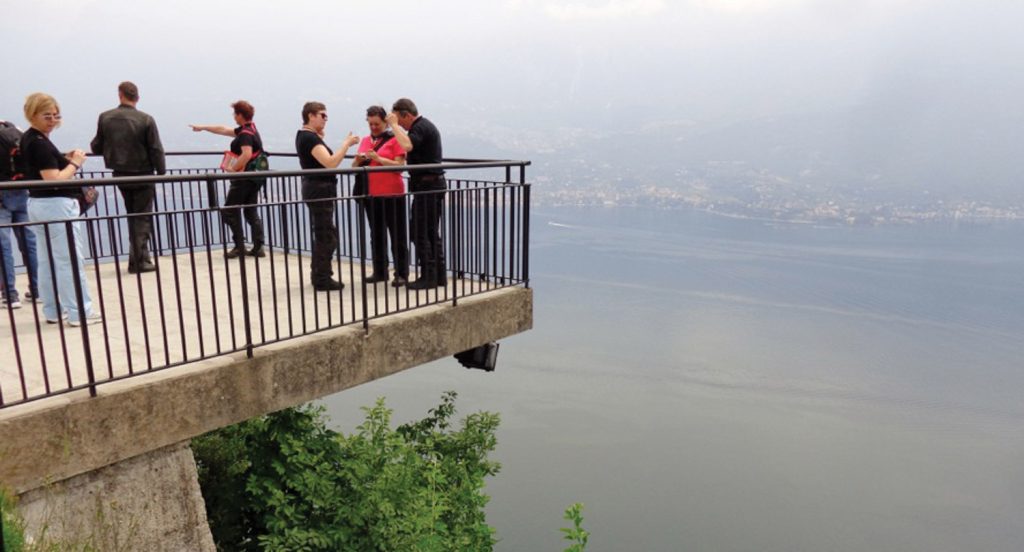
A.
x: 422, y: 142
x: 320, y: 192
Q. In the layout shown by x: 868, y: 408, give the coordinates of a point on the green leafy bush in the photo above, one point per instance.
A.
x: 11, y: 524
x: 287, y: 482
x: 575, y: 534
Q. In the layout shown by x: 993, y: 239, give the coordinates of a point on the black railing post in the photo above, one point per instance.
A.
x: 212, y: 199
x: 285, y: 242
x: 526, y: 225
x: 361, y: 229
x: 246, y: 320
x: 455, y: 228
x: 82, y: 317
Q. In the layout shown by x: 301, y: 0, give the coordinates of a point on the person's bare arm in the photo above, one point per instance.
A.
x: 242, y: 160
x: 384, y: 161
x: 332, y: 161
x: 400, y: 134
x: 216, y: 129
x: 76, y: 158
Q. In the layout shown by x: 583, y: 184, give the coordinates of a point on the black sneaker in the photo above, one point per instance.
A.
x: 422, y: 283
x: 144, y: 266
x: 329, y: 285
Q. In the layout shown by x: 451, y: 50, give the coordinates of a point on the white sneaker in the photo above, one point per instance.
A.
x: 94, y: 318
x: 16, y: 304
x: 63, y: 316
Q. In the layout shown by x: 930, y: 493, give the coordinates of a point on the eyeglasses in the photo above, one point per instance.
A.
x: 324, y: 115
x: 52, y: 116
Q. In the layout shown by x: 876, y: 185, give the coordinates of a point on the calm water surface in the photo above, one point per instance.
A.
x: 704, y: 383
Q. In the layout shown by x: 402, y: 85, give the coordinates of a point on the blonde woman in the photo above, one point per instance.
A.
x: 45, y: 162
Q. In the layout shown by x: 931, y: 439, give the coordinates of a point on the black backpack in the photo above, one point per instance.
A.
x: 11, y: 166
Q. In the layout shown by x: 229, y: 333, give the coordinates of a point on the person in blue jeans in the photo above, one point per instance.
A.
x: 14, y: 209
x: 60, y: 232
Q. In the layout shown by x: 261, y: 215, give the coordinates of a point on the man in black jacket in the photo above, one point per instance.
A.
x: 130, y: 144
x: 422, y: 143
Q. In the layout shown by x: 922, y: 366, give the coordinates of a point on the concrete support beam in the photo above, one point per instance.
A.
x: 149, y: 502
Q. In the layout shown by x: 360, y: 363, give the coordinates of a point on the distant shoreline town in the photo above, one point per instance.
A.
x: 768, y: 207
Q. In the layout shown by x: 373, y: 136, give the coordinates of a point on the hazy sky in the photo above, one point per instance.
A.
x: 603, y: 64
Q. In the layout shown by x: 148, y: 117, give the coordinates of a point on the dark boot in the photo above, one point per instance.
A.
x: 236, y: 252
x: 422, y: 283
x: 440, y: 274
x: 256, y: 224
x: 328, y: 285
x: 425, y: 281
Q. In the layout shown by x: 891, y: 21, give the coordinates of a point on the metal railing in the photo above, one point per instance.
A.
x: 199, y: 304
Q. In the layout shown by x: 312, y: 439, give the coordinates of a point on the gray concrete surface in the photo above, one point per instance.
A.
x: 149, y: 502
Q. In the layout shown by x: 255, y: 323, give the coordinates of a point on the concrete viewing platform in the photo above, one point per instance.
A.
x: 96, y: 421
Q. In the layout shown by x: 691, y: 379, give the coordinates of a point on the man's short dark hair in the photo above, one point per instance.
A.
x: 129, y: 91
x: 311, y: 108
x: 245, y: 109
x: 376, y: 111
x: 405, y: 105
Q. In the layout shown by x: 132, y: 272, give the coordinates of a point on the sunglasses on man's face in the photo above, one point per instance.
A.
x: 324, y: 115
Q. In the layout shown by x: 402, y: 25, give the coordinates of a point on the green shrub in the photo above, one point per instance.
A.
x: 575, y: 534
x: 12, y: 524
x: 287, y: 482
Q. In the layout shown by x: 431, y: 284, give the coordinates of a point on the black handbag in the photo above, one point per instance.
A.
x: 87, y: 199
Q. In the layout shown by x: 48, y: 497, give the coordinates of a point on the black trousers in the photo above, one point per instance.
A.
x: 425, y: 224
x: 243, y: 192
x: 138, y: 200
x: 321, y: 222
x: 386, y: 216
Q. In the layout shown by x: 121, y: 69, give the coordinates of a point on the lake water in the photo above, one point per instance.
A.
x: 705, y: 383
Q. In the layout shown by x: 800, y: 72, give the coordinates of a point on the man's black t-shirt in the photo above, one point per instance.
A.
x: 426, y: 146
x: 305, y: 141
x: 251, y: 138
x: 40, y: 154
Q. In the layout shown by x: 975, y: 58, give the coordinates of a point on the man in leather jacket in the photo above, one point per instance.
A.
x: 130, y: 144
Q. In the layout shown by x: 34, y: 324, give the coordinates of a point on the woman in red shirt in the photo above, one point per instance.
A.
x: 385, y: 206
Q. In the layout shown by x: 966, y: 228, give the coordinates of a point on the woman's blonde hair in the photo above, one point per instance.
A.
x: 37, y: 103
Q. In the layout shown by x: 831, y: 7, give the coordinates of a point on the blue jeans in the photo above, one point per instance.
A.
x: 59, y: 209
x: 13, y: 209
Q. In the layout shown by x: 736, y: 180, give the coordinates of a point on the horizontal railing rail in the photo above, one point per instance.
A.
x: 199, y: 304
